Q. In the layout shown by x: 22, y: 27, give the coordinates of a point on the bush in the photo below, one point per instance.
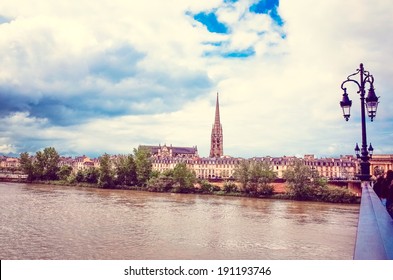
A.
x: 336, y: 195
x: 160, y: 184
x: 178, y: 188
x: 206, y: 187
x: 325, y: 194
x: 230, y: 187
x: 257, y: 189
x: 80, y: 177
x: 265, y: 189
x: 71, y: 179
x: 302, y: 192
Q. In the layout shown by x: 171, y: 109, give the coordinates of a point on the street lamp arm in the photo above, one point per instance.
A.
x: 367, y: 75
x: 350, y: 80
x: 354, y: 74
x: 369, y: 79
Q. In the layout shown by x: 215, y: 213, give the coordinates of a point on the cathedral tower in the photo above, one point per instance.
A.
x: 216, y: 144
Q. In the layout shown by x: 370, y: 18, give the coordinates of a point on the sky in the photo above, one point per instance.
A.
x: 105, y: 76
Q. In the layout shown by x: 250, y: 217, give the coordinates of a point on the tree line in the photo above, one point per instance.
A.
x: 253, y: 178
x: 126, y: 170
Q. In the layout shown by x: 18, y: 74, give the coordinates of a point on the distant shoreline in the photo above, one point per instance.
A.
x: 281, y: 196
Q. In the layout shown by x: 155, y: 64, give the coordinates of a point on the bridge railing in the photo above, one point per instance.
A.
x: 374, y: 239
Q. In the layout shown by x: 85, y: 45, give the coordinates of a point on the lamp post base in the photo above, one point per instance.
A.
x: 364, y: 169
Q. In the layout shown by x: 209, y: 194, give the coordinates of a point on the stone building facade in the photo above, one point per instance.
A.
x: 204, y: 168
x: 343, y: 168
x: 381, y: 163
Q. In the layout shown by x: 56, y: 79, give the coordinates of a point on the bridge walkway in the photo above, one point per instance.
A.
x: 374, y: 239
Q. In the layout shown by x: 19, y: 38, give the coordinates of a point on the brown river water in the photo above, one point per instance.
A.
x: 56, y: 222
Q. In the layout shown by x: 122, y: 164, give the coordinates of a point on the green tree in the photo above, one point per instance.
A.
x: 126, y: 170
x: 64, y: 172
x: 179, y: 179
x: 91, y: 175
x: 242, y: 172
x: 105, y: 179
x: 39, y: 165
x: 255, y: 177
x: 143, y: 165
x: 303, y: 182
x: 46, y: 164
x: 52, y: 163
x: 27, y: 167
x: 184, y: 178
x: 262, y: 174
x: 80, y: 176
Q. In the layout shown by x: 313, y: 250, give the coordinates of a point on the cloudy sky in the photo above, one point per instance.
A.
x: 89, y: 77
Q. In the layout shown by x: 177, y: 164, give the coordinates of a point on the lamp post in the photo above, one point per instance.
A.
x: 370, y: 103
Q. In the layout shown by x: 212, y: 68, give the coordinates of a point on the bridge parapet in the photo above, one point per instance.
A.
x: 374, y: 240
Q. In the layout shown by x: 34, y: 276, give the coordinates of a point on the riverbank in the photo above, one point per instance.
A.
x: 327, y: 194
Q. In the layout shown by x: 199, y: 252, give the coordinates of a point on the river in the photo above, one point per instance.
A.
x: 57, y: 222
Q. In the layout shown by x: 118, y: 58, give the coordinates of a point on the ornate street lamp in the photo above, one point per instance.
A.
x: 371, y: 104
x: 346, y: 105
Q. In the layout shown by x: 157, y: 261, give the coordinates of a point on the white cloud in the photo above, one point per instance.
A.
x: 283, y: 100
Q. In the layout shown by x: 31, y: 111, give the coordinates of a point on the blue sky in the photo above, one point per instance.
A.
x: 106, y: 76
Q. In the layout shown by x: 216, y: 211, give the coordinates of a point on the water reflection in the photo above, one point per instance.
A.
x: 50, y: 222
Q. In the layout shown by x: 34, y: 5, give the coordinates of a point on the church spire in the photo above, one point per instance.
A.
x: 217, y: 118
x: 216, y: 144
